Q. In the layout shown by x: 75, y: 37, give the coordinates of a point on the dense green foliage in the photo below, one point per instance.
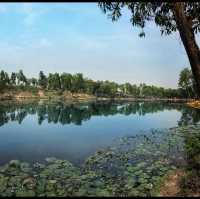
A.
x: 77, y: 83
x: 190, y: 184
x: 162, y: 13
x: 187, y: 83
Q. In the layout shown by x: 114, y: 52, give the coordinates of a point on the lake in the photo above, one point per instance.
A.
x: 32, y: 131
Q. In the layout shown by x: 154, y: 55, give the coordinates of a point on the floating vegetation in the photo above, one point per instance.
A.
x: 133, y: 166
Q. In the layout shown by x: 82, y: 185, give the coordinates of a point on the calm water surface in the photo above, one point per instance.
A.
x: 31, y: 132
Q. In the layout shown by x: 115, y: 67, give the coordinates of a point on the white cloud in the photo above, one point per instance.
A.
x: 27, y: 7
x: 44, y: 42
x: 30, y: 19
x: 27, y: 10
x: 30, y: 16
x: 38, y: 43
x: 32, y: 13
x: 3, y: 8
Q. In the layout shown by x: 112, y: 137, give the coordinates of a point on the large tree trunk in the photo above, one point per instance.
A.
x: 184, y: 26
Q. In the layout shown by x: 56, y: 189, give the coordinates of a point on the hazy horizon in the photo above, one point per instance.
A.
x: 79, y: 38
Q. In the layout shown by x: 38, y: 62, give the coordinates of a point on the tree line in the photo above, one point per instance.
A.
x: 77, y: 83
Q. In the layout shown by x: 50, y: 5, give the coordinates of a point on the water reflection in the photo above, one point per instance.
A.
x: 78, y: 113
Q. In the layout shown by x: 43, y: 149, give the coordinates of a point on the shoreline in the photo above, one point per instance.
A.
x: 67, y: 96
x: 96, y: 99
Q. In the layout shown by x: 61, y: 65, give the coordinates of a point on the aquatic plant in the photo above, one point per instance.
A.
x: 133, y: 166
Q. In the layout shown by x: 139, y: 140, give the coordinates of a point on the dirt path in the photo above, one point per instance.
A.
x: 171, y: 186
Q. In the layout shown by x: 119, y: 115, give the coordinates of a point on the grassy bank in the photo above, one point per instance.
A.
x: 185, y: 181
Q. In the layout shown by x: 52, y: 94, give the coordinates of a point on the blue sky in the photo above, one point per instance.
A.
x: 78, y: 37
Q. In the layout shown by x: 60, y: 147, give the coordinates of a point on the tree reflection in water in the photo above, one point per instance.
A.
x: 77, y: 113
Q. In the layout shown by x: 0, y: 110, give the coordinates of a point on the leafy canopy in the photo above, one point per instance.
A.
x: 159, y: 12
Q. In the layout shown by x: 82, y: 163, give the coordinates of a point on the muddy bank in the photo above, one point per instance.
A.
x: 44, y: 95
x: 20, y: 95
